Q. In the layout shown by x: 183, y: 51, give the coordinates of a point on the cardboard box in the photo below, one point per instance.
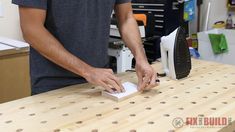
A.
x: 14, y: 73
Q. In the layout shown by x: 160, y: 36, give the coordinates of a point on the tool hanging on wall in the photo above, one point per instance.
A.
x: 175, y: 54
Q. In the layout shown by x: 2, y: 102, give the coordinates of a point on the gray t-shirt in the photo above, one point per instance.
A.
x: 82, y: 26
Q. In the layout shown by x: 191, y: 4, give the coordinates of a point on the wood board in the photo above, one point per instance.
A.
x: 209, y: 91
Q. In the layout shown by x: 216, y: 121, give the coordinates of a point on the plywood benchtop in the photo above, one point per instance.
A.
x: 209, y: 91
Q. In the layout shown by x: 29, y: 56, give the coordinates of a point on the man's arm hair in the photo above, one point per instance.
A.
x: 32, y: 24
x: 129, y: 30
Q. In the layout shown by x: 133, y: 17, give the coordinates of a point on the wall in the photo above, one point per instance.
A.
x: 218, y: 12
x: 9, y: 24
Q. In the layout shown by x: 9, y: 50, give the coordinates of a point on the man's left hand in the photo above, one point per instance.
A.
x: 146, y: 76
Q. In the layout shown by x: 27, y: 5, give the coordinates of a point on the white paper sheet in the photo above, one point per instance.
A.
x: 130, y: 89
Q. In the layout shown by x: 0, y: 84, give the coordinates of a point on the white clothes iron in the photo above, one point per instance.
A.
x: 175, y: 54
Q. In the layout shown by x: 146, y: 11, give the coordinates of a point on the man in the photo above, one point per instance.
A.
x: 69, y: 41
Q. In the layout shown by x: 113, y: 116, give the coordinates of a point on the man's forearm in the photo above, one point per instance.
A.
x: 131, y: 36
x: 47, y: 45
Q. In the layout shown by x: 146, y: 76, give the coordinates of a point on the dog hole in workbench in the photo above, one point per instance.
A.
x: 132, y: 115
x: 92, y: 87
x: 171, y: 131
x: 133, y: 130
x: 53, y: 108
x: 194, y: 102
x: 171, y: 87
x: 224, y: 102
x: 98, y: 115
x: 166, y: 115
x: 198, y: 87
x: 225, y: 87
x: 85, y: 108
x: 79, y: 122
x: 150, y: 122
x: 162, y: 102
x: 57, y: 130
x: 72, y: 102
x: 1, y: 114
x: 8, y: 122
x: 102, y: 102
x: 132, y: 102
x: 42, y: 102
x: 175, y: 97
x: 116, y: 108
x: 187, y: 92
x: 205, y: 97
x: 21, y: 108
x: 19, y: 130
x: 215, y: 92
x: 148, y: 108
x: 115, y: 122
x: 213, y: 108
x: 65, y: 114
x: 201, y: 115
x: 32, y: 114
x: 181, y: 108
x: 43, y: 122
x: 146, y: 97
x: 94, y: 130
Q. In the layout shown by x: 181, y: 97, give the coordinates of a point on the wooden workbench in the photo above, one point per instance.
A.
x: 209, y: 91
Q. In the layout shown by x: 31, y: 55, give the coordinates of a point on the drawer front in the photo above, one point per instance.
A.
x: 158, y: 18
x: 157, y: 9
x: 149, y: 1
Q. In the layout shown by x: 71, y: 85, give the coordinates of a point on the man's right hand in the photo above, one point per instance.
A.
x: 105, y: 78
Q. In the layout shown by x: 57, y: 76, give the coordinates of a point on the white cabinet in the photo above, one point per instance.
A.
x: 206, y: 51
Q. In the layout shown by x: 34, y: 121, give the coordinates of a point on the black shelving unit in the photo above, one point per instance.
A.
x: 168, y: 16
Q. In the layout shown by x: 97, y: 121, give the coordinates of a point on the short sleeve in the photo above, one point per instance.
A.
x: 122, y: 1
x: 41, y: 4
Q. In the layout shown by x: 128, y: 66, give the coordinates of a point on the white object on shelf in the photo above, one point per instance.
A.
x: 5, y: 47
x: 114, y: 31
x: 13, y: 43
x: 205, y: 49
x: 124, y: 58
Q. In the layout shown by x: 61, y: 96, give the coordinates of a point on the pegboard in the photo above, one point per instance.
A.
x: 209, y: 91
